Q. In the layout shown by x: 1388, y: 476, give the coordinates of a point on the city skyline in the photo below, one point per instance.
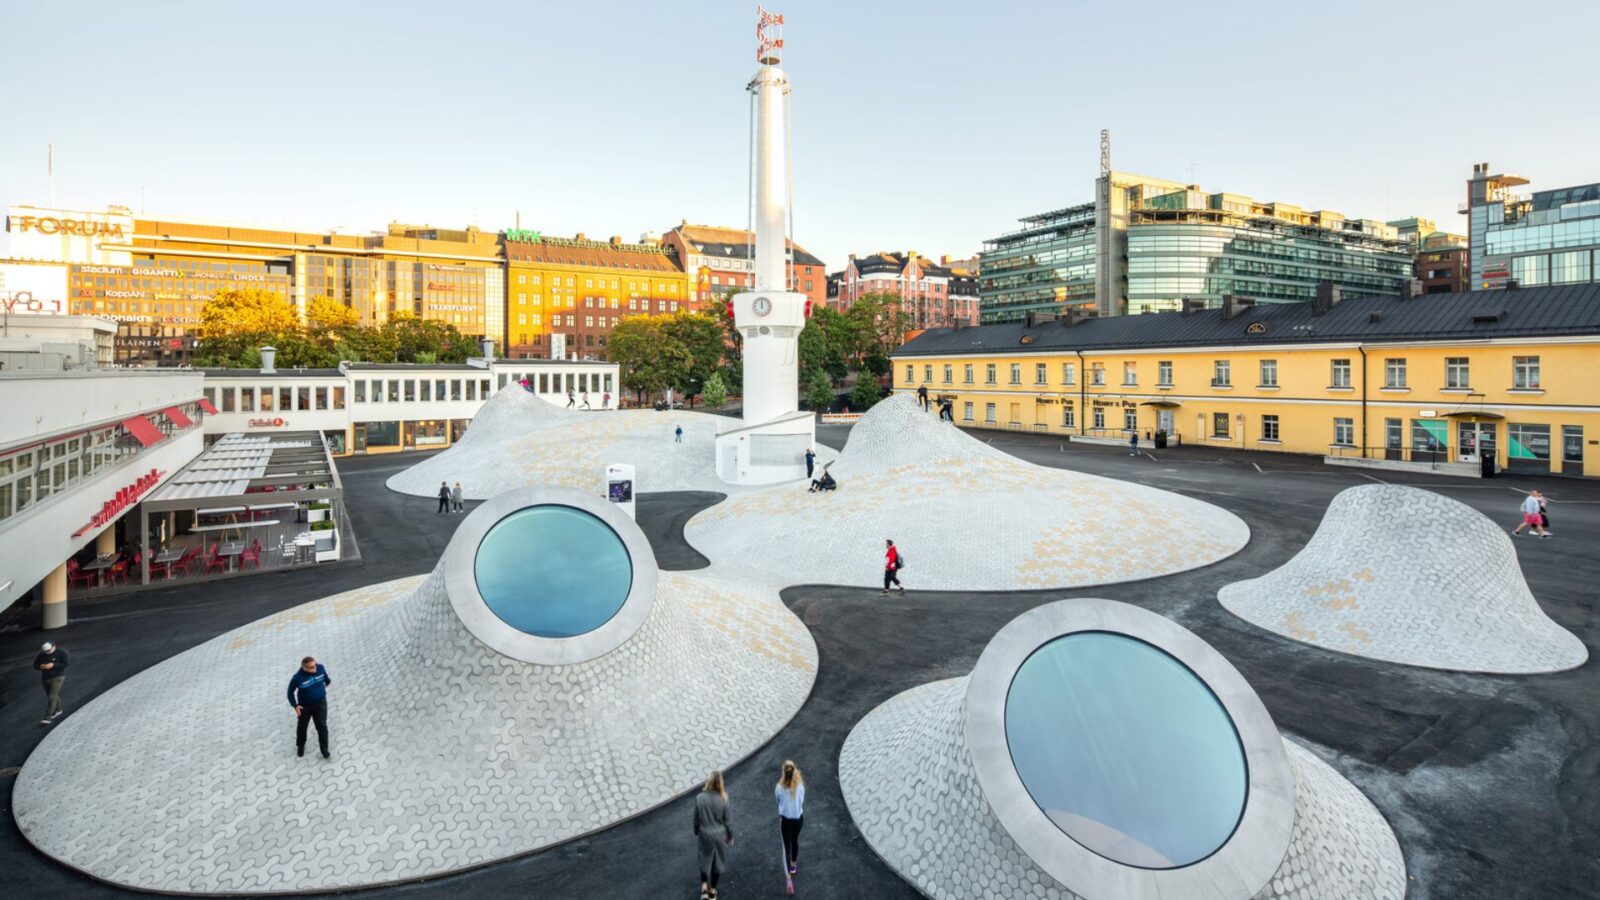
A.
x: 634, y: 121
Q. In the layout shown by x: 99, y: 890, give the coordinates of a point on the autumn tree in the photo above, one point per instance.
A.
x: 246, y: 311
x: 324, y: 313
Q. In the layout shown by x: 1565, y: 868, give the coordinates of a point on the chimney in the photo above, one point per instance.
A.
x: 1328, y: 295
x: 488, y: 349
x: 944, y: 260
x: 616, y: 240
x: 1192, y: 305
x: 269, y: 355
x: 1031, y: 319
x: 1073, y: 315
x: 1410, y: 289
x: 581, y: 237
x: 1233, y: 305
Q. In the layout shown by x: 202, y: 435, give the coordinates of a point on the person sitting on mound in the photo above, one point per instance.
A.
x: 824, y: 483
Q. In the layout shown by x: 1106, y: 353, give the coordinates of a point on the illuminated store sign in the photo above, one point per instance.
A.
x: 70, y: 236
x: 53, y: 225
x: 523, y: 236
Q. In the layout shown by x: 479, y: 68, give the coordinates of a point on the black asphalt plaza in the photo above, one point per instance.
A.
x: 1489, y: 781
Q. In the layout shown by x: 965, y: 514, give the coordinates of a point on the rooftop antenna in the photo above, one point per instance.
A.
x: 1191, y: 173
x: 1105, y: 152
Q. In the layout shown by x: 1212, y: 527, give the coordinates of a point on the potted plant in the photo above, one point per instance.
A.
x: 319, y: 511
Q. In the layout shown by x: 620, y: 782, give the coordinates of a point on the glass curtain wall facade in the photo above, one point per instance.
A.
x: 1046, y: 265
x: 1261, y: 258
x: 1554, y: 238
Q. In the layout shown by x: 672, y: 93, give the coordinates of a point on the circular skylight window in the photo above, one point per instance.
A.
x: 553, y: 571
x: 550, y: 575
x: 1126, y: 757
x: 1126, y: 750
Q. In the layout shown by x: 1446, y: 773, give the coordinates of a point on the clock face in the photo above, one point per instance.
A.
x: 761, y: 306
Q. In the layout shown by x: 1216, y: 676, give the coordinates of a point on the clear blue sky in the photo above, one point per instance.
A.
x: 930, y: 131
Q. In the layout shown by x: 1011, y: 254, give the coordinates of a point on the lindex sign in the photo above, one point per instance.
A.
x: 523, y: 236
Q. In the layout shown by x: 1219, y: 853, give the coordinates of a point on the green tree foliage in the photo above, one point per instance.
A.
x: 413, y: 335
x: 865, y: 394
x: 235, y: 324
x: 650, y: 359
x: 705, y: 339
x: 819, y: 391
x: 715, y: 391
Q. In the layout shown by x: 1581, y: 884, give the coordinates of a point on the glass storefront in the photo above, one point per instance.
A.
x: 1528, y: 447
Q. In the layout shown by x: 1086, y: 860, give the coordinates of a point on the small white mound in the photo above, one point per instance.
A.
x: 512, y: 413
x: 1409, y: 576
x: 967, y: 517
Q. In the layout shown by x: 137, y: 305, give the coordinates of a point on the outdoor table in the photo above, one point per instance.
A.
x: 169, y: 557
x: 231, y: 552
x: 303, y: 544
x: 99, y: 566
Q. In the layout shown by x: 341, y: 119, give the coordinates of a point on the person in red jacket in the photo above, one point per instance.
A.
x: 892, y: 564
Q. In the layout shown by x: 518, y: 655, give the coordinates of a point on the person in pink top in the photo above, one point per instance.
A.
x: 893, y: 562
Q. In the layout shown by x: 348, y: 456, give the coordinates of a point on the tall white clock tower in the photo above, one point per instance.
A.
x: 770, y: 444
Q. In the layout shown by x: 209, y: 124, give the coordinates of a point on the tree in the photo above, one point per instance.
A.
x: 412, y: 335
x: 324, y: 313
x: 819, y: 391
x: 249, y: 311
x: 876, y: 325
x: 714, y: 392
x: 826, y: 344
x: 705, y: 340
x: 865, y: 394
x: 650, y: 359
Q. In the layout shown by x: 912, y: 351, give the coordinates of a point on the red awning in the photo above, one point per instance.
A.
x: 143, y: 429
x: 206, y: 405
x: 177, y: 417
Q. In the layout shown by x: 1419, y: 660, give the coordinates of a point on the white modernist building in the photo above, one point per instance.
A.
x: 771, y: 443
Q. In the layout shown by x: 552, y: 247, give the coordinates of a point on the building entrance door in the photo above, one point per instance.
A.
x: 1572, y: 449
x: 1475, y: 440
x: 1165, y: 421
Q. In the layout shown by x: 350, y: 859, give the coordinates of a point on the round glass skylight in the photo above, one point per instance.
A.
x: 553, y: 571
x: 1126, y: 750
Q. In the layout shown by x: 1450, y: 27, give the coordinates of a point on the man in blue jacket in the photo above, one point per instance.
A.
x: 308, y: 694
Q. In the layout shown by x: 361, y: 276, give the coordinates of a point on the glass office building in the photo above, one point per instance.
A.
x: 1147, y: 244
x: 1549, y: 237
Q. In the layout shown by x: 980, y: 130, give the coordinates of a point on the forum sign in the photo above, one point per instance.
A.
x: 69, y: 236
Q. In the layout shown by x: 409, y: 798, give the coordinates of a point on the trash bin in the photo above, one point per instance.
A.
x: 1161, y: 440
x: 1488, y: 467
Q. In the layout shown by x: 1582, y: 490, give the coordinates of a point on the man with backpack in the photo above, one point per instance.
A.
x: 893, y: 562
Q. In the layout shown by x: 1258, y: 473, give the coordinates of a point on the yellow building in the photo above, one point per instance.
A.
x: 565, y: 295
x: 1430, y: 381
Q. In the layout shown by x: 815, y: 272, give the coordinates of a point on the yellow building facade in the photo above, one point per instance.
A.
x: 1378, y: 381
x: 569, y: 293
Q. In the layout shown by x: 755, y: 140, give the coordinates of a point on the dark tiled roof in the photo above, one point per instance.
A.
x: 732, y: 243
x: 1528, y: 312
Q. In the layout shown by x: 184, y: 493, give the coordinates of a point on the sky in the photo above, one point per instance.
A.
x: 928, y: 128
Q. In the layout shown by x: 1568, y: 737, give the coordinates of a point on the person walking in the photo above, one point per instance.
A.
x: 586, y: 401
x: 308, y: 695
x: 1133, y: 444
x: 444, y: 497
x: 922, y: 397
x: 715, y: 833
x: 678, y: 435
x: 791, y: 794
x: 572, y: 399
x: 605, y: 400
x: 811, y: 461
x: 893, y: 562
x: 52, y: 665
x: 1533, y: 514
x: 455, y: 499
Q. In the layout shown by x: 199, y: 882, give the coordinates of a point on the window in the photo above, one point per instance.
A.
x: 320, y: 395
x: 927, y: 374
x: 1068, y: 417
x: 1339, y: 373
x: 361, y: 391
x: 1394, y: 372
x: 227, y: 400
x: 988, y: 413
x: 1525, y: 373
x: 411, y: 390
x: 247, y: 399
x: 1221, y: 374
x: 1130, y: 373
x: 1219, y: 424
x: 989, y: 375
x: 1269, y: 428
x: 1269, y: 373
x: 338, y: 396
x: 949, y: 373
x: 1016, y: 373
x: 1528, y: 442
x: 1164, y: 373
x: 1457, y: 372
x: 1099, y: 419
x: 1130, y: 420
x: 909, y: 377
x: 1097, y: 374
x: 1344, y: 432
x: 285, y: 399
x: 966, y: 373
x: 1069, y: 373
x: 1040, y: 374
x: 966, y: 411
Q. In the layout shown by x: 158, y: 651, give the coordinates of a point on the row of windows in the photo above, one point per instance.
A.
x: 276, y: 399
x: 1523, y: 238
x: 33, y: 475
x: 1569, y: 267
x: 1525, y: 373
x: 662, y: 286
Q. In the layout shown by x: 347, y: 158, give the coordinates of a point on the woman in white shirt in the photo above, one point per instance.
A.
x: 791, y: 794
